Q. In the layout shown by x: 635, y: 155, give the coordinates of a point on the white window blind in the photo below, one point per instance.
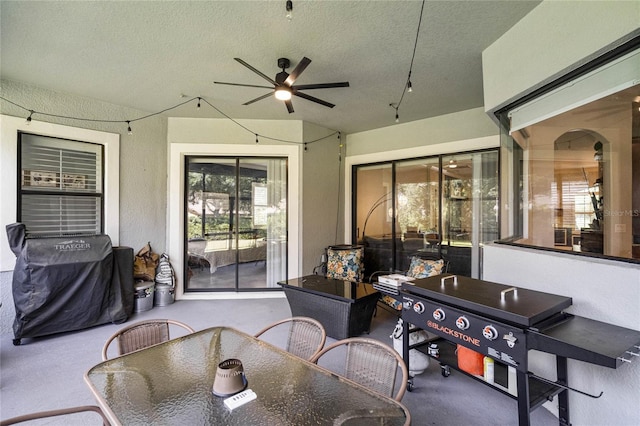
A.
x: 61, y: 186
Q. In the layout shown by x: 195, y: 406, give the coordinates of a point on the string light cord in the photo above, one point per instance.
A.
x: 198, y: 98
x: 237, y: 123
x: 407, y: 83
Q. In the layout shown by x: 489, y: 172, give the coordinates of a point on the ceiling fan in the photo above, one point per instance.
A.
x: 283, y: 87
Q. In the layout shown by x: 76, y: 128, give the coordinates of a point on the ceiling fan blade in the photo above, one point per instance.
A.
x: 289, y: 106
x: 304, y: 63
x: 312, y: 99
x: 320, y: 86
x: 243, y: 85
x: 269, y: 79
x: 259, y: 98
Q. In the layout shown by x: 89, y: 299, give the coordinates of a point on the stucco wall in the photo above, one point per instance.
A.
x: 143, y: 158
x: 602, y: 290
x: 321, y: 195
x: 143, y: 155
x: 554, y: 38
x: 463, y: 125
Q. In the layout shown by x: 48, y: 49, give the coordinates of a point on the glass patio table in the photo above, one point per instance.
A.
x: 171, y: 384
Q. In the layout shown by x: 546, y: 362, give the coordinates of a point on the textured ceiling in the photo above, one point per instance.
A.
x: 148, y: 54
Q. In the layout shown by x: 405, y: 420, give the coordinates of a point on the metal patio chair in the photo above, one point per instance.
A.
x: 141, y: 335
x: 55, y: 413
x: 372, y: 364
x: 305, y: 336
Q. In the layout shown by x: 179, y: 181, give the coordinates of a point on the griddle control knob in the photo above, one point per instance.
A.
x: 462, y: 322
x: 418, y: 307
x: 438, y: 315
x: 490, y: 332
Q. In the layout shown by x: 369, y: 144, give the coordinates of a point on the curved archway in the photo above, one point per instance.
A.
x: 579, y: 190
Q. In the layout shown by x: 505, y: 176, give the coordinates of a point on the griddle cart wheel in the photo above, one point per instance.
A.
x: 410, y: 385
x: 16, y: 342
x: 445, y: 370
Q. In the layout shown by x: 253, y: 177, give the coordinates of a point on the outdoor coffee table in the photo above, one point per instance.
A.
x: 344, y: 308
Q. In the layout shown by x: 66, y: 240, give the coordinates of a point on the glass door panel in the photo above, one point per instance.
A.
x: 234, y: 208
x: 373, y: 216
x: 417, y: 204
x: 469, y: 208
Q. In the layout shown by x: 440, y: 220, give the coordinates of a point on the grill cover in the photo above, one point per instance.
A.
x: 64, y: 283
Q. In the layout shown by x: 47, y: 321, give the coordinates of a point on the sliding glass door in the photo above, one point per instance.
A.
x: 444, y: 205
x: 235, y: 223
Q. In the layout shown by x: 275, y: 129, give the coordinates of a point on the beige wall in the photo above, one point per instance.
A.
x: 458, y: 126
x: 143, y: 155
x: 321, y: 196
x: 555, y: 37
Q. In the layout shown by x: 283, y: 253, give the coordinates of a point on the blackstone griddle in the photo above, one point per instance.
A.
x: 505, y: 322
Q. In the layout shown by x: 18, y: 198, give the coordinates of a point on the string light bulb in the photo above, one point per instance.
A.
x: 28, y: 122
x: 409, y: 88
x: 257, y: 138
x: 198, y: 103
x: 289, y: 8
x: 129, y: 131
x: 397, y: 117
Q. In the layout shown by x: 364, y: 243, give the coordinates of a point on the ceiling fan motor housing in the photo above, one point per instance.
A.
x: 283, y: 63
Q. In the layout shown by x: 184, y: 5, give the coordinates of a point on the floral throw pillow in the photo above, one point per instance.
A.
x: 423, y: 268
x: 345, y: 264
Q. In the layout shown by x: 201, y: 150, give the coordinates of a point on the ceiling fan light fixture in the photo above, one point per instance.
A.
x: 283, y: 94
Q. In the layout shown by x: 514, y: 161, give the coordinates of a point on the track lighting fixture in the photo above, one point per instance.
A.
x: 129, y: 131
x: 289, y: 7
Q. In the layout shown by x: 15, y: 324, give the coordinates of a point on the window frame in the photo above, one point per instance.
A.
x: 57, y: 191
x: 9, y: 127
x: 514, y: 217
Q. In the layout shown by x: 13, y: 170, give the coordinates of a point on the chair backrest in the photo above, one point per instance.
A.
x: 142, y: 334
x: 305, y: 336
x: 54, y: 413
x: 370, y: 363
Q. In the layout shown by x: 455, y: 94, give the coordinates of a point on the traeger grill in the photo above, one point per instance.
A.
x: 504, y: 323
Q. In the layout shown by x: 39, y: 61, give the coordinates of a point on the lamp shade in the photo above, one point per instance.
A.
x: 230, y: 378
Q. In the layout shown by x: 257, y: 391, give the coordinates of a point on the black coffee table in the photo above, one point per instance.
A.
x: 344, y: 308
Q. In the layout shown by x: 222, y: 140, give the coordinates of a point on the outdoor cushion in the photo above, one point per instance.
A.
x: 345, y: 263
x: 423, y: 268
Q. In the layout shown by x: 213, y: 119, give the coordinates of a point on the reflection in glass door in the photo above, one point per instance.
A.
x: 469, y: 208
x: 443, y: 205
x: 235, y: 223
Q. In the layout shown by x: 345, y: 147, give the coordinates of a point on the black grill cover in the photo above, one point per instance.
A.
x: 64, y: 283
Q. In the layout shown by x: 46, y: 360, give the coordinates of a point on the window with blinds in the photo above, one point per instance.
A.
x: 61, y: 186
